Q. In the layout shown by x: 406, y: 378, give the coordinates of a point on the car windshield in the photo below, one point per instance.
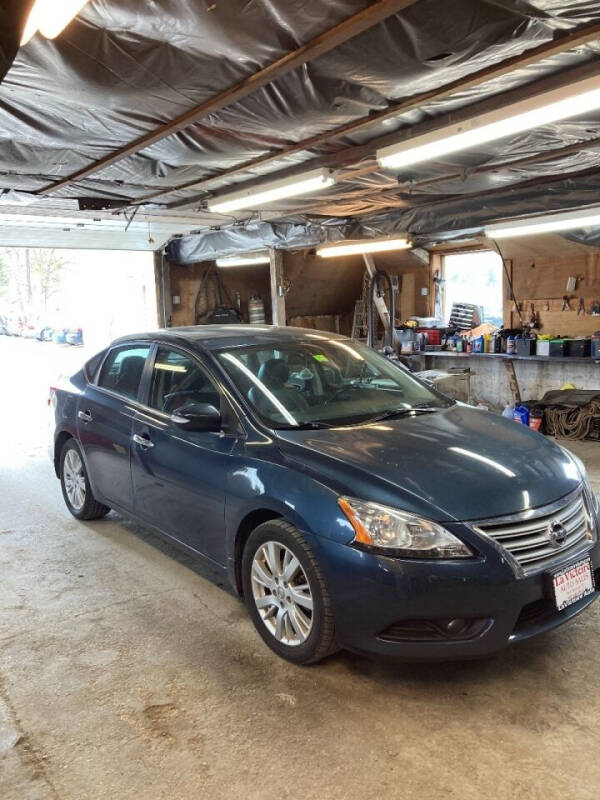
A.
x: 320, y: 380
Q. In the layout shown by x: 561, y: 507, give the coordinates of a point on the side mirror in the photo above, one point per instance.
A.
x: 197, y: 417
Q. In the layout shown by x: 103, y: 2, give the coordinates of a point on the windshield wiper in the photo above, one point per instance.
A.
x: 308, y: 426
x: 402, y: 412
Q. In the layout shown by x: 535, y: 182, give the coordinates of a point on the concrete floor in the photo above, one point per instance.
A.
x: 125, y: 672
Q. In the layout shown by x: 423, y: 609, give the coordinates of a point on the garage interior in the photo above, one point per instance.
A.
x: 126, y: 669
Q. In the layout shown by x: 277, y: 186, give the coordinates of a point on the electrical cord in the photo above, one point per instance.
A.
x: 510, y: 283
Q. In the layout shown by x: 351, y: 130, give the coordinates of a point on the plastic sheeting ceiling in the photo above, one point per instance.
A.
x: 122, y: 69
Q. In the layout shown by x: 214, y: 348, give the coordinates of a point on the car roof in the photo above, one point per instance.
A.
x: 213, y: 337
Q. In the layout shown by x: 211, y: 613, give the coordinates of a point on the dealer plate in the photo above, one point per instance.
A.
x: 573, y: 583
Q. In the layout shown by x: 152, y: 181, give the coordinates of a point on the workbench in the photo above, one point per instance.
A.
x: 536, y: 375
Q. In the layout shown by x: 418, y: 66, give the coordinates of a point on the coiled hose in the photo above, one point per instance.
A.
x: 571, y: 423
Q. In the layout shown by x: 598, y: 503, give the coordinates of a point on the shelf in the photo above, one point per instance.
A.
x: 509, y: 357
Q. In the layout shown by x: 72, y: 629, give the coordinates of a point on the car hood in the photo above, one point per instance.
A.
x: 459, y: 463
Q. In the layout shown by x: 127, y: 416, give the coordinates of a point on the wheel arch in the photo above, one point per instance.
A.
x: 59, y: 443
x: 251, y: 521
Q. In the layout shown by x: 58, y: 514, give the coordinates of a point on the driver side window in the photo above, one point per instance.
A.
x: 178, y: 380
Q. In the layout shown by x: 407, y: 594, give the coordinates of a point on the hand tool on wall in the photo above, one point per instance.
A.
x: 533, y: 317
x: 566, y: 306
x: 581, y: 307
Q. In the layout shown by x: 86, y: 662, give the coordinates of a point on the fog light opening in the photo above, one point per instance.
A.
x: 454, y: 627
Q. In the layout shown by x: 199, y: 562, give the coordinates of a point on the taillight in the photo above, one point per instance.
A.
x: 51, y: 394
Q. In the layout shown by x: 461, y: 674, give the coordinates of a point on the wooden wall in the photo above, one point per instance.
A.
x: 248, y: 281
x: 540, y: 267
x: 316, y: 286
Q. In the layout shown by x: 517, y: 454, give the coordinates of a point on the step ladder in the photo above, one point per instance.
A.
x: 359, y: 322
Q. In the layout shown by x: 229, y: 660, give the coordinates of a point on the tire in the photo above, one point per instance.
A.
x: 75, y: 485
x: 291, y: 629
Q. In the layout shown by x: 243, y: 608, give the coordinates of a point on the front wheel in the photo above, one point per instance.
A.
x: 286, y: 594
x: 75, y: 485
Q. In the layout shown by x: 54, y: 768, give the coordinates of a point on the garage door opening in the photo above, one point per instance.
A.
x: 474, y: 278
x: 96, y: 294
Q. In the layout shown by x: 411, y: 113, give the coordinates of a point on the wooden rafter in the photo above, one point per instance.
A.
x: 375, y: 13
x: 564, y: 43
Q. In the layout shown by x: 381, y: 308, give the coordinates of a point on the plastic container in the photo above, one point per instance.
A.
x: 535, y: 422
x: 595, y: 346
x: 558, y: 348
x: 521, y: 414
x: 578, y: 348
x: 495, y: 343
x: 408, y: 341
x: 508, y: 411
x: 434, y: 335
x: 542, y: 347
x: 510, y: 345
x: 524, y: 346
x: 478, y: 344
x: 256, y: 310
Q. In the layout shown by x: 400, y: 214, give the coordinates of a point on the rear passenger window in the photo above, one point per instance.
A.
x: 91, y: 367
x: 122, y: 370
x: 179, y: 381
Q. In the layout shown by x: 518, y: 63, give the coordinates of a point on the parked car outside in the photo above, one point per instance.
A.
x: 37, y: 329
x: 348, y: 503
x: 28, y: 331
x: 75, y: 336
x: 44, y: 332
x: 59, y: 335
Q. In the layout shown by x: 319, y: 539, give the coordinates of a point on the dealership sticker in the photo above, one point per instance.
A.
x: 573, y: 583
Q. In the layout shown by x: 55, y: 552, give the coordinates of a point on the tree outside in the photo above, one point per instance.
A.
x: 29, y: 278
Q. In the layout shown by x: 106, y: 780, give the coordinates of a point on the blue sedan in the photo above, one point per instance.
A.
x: 348, y: 503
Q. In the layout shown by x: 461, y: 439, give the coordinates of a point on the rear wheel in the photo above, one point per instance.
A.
x: 75, y: 485
x: 286, y: 594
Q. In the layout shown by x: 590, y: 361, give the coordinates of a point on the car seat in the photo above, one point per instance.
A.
x: 130, y: 375
x: 274, y: 374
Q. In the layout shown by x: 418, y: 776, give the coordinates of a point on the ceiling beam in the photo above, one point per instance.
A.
x: 578, y: 38
x: 530, y: 183
x: 357, y: 153
x: 372, y: 15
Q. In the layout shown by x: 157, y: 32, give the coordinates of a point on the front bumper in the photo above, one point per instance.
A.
x: 371, y: 594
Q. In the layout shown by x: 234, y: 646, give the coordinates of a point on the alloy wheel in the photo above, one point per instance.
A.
x: 74, y: 478
x: 282, y: 593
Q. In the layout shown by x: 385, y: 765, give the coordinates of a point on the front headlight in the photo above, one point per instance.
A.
x: 400, y: 533
x: 584, y: 477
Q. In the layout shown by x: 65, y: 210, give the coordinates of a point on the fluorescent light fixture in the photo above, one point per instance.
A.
x: 546, y: 223
x: 243, y: 261
x: 260, y: 196
x: 51, y: 17
x: 366, y: 246
x: 556, y: 104
x: 170, y: 367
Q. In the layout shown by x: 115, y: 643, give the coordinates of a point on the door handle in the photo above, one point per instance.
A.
x: 143, y: 441
x: 85, y: 416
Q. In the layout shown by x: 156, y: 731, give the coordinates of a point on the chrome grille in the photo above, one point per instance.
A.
x: 528, y: 536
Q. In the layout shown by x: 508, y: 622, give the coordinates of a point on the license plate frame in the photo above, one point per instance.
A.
x: 572, y: 583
